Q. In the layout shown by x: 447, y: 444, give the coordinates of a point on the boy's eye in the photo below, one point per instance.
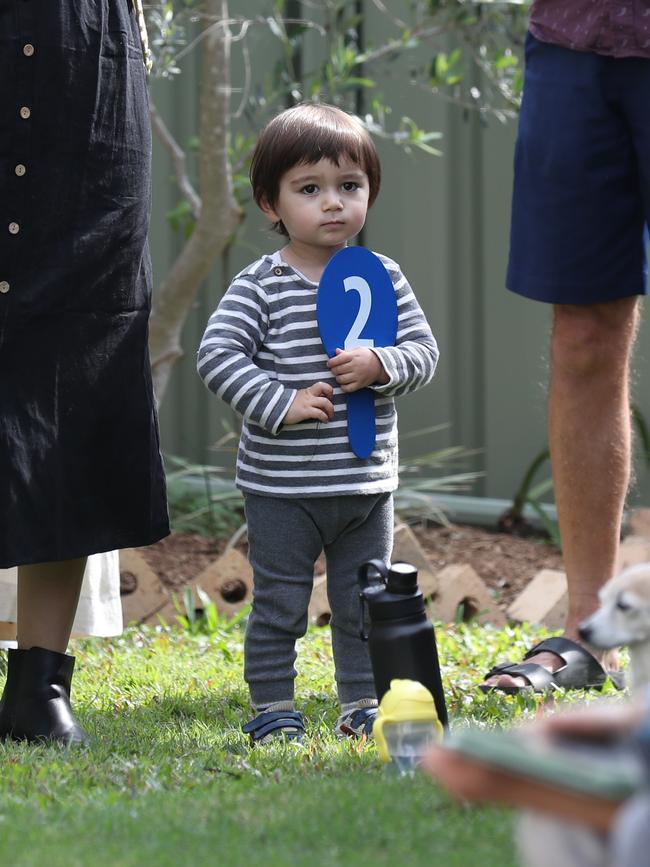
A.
x: 350, y: 186
x: 309, y: 189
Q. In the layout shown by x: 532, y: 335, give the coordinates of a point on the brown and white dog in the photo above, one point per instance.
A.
x: 623, y: 620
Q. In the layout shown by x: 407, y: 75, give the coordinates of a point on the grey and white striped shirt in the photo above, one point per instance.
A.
x: 262, y: 344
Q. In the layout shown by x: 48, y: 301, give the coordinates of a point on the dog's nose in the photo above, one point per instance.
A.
x: 585, y: 631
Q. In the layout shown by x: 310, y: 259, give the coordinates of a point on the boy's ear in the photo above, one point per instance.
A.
x: 268, y: 210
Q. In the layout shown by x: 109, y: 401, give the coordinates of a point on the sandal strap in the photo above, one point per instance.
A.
x: 359, y: 722
x: 569, y: 651
x: 581, y: 669
x: 291, y: 722
x: 539, y: 678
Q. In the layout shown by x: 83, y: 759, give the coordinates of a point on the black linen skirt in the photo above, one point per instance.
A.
x: 80, y: 464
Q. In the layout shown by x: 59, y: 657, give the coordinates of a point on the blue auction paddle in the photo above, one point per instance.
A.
x: 356, y: 306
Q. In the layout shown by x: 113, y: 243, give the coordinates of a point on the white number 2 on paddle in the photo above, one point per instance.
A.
x: 353, y: 339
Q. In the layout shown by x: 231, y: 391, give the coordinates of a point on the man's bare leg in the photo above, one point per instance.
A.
x: 590, y: 436
x: 48, y: 594
x: 590, y: 443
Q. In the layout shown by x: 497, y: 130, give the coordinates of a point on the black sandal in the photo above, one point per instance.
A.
x: 581, y: 670
x: 274, y: 724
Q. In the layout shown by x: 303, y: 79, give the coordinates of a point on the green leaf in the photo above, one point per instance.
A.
x: 359, y: 82
x: 506, y: 61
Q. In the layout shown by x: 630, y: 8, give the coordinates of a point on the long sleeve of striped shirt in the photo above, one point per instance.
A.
x: 235, y: 334
x: 411, y: 363
x: 262, y: 344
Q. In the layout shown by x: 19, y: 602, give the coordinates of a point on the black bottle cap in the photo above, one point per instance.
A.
x: 402, y: 578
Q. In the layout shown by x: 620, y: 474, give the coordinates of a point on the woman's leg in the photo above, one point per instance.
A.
x: 48, y: 594
x: 7, y: 630
x: 35, y: 703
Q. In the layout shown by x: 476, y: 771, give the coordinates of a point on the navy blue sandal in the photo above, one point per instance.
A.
x: 357, y: 723
x: 275, y: 724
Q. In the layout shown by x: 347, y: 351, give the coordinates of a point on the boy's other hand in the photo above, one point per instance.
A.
x: 357, y: 368
x: 313, y: 402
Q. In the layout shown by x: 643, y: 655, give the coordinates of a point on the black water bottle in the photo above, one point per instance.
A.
x: 401, y: 639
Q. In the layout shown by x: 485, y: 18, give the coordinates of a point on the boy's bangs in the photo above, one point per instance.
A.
x: 312, y: 145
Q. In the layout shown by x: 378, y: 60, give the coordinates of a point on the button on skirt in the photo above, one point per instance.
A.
x: 80, y: 464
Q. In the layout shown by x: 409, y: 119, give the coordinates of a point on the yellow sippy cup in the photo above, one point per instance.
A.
x: 406, y: 724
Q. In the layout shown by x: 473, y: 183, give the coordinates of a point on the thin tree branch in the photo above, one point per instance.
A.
x: 382, y: 8
x: 245, y: 24
x: 179, y: 159
x: 397, y: 45
x: 245, y: 90
x: 219, y: 214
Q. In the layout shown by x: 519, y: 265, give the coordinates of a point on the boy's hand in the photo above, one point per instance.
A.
x: 357, y: 368
x: 313, y: 402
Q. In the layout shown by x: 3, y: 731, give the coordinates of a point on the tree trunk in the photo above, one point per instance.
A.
x: 219, y: 212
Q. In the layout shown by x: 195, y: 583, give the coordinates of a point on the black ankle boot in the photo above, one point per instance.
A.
x: 35, y: 703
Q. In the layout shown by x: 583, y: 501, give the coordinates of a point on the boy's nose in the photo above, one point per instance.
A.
x: 332, y: 202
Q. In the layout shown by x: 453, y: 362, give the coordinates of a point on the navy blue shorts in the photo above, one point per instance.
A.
x: 581, y: 199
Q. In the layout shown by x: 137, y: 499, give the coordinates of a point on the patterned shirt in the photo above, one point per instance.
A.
x: 262, y: 344
x: 620, y: 28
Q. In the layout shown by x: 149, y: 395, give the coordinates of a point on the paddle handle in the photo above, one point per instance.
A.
x: 361, y: 422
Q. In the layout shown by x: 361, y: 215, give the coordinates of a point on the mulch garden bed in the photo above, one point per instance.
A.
x: 505, y: 562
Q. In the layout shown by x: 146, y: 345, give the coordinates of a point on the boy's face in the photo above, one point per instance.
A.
x: 322, y: 205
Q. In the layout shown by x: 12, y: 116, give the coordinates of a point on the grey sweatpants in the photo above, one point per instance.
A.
x: 285, y: 537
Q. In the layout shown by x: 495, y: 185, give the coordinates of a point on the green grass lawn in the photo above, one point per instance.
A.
x: 171, y: 780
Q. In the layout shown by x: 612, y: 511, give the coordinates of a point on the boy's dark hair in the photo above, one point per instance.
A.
x: 307, y: 133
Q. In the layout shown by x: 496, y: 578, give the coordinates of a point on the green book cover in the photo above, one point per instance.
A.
x: 609, y: 770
